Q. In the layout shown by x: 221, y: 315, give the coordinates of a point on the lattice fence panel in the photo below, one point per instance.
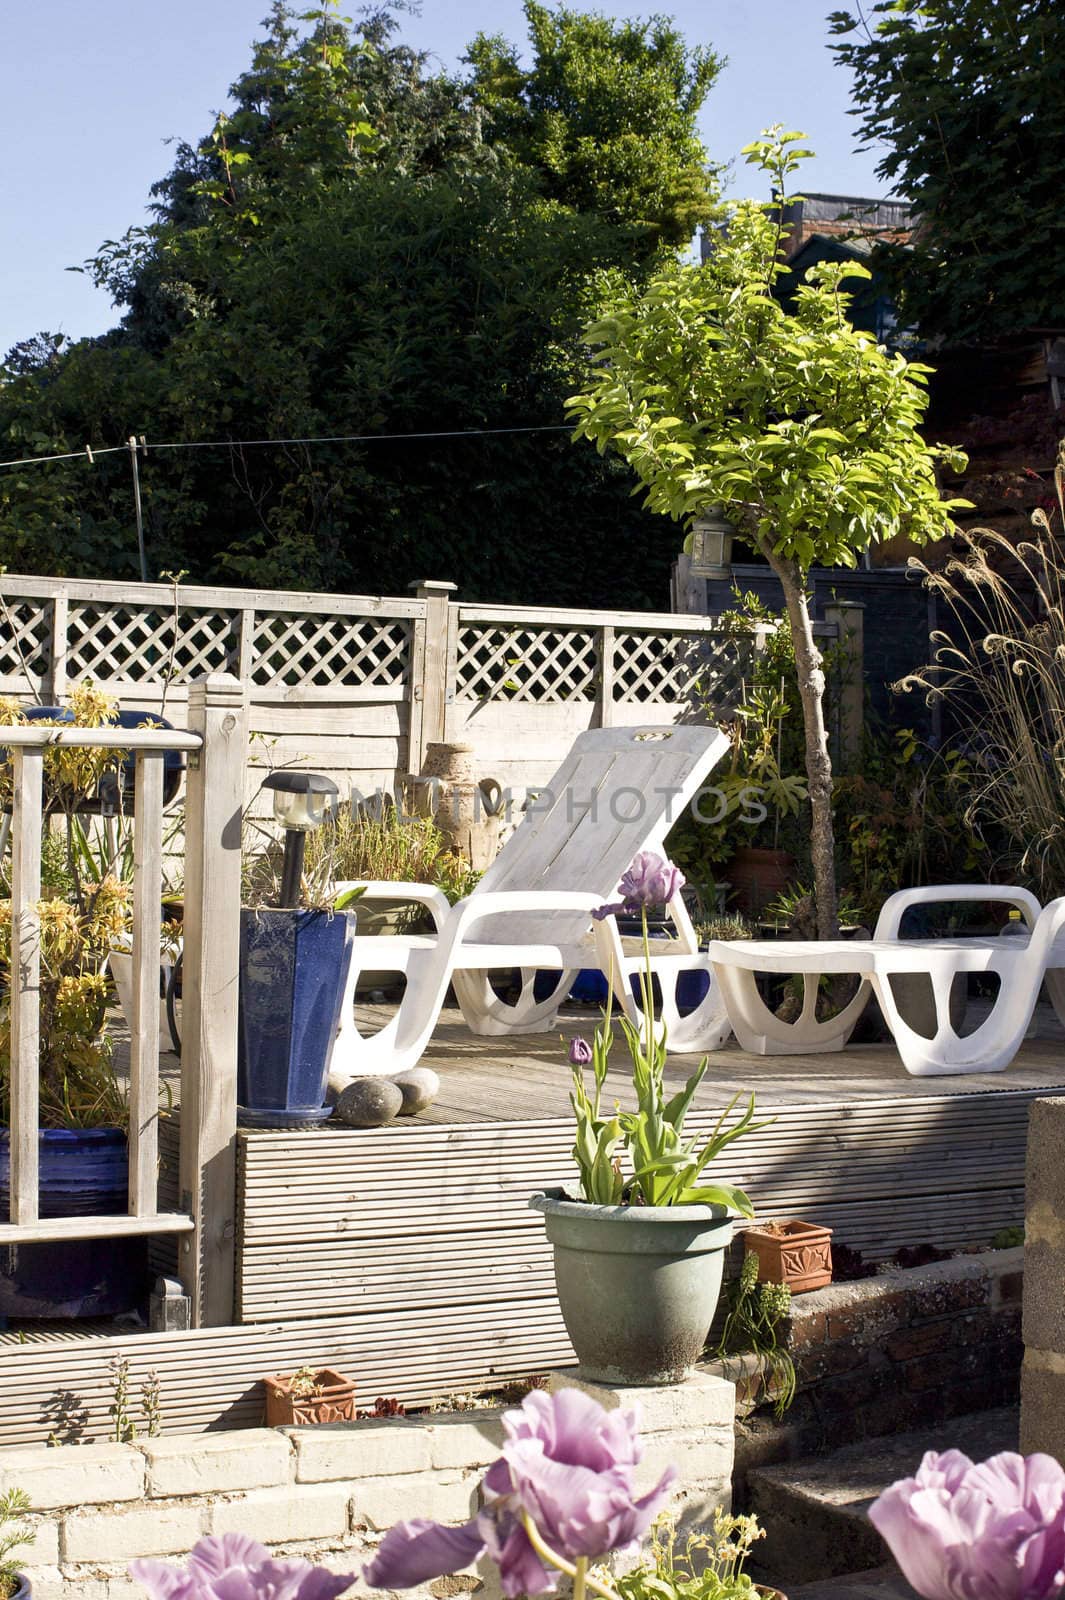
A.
x: 25, y: 639
x: 548, y: 664
x: 295, y: 648
x: 138, y: 644
x: 705, y: 670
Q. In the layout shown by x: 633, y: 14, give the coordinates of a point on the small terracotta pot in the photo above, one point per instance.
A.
x: 334, y: 1402
x: 796, y: 1253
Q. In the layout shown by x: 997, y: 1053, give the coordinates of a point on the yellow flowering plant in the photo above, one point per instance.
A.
x: 83, y: 915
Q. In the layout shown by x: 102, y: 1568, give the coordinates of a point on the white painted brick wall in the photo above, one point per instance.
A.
x: 441, y: 1496
x: 212, y: 1463
x: 275, y: 1516
x: 163, y: 1529
x: 360, y: 1450
x: 327, y: 1492
x: 88, y: 1474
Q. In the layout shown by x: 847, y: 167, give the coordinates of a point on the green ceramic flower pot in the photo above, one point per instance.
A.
x: 638, y: 1285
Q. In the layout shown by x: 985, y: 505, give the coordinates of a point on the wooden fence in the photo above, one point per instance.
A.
x: 357, y: 686
x: 215, y: 745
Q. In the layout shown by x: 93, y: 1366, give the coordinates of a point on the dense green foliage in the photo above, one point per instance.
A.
x: 969, y: 98
x: 364, y: 247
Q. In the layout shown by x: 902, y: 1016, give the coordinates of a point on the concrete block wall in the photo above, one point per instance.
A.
x: 1043, y: 1326
x: 327, y: 1493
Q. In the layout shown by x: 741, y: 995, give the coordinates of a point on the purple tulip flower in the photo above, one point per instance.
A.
x: 232, y: 1566
x: 649, y: 881
x: 580, y: 1052
x: 568, y: 1465
x: 994, y: 1531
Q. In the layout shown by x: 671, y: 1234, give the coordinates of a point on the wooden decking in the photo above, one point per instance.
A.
x: 407, y: 1255
x: 496, y: 1080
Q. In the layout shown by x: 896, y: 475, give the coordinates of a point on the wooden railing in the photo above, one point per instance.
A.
x: 215, y: 745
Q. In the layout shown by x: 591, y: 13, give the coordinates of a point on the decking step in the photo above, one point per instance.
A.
x: 814, y: 1511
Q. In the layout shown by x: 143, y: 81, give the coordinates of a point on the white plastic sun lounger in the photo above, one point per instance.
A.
x: 618, y: 792
x: 1020, y: 965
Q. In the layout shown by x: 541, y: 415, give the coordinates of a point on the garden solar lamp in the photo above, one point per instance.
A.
x: 302, y: 802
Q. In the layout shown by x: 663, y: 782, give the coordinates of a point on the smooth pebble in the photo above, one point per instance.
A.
x: 419, y: 1088
x: 369, y: 1103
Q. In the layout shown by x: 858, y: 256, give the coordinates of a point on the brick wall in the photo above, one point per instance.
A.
x: 325, y: 1492
x: 906, y: 1349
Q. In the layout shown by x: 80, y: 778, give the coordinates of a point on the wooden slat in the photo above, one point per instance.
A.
x: 211, y: 1376
x: 94, y: 1227
x: 36, y: 735
x: 160, y: 597
x: 144, y: 1024
x: 27, y: 785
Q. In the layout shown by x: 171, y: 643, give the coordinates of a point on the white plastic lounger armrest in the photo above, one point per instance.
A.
x: 424, y: 894
x: 894, y: 907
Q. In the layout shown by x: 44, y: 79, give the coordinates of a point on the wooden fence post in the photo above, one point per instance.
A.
x: 432, y: 671
x: 26, y: 831
x: 57, y: 668
x: 213, y: 812
x: 849, y: 619
x: 607, y: 643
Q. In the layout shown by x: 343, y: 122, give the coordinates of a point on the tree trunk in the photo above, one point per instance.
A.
x: 811, y: 678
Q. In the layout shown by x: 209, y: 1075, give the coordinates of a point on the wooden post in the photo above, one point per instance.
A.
x: 849, y: 618
x: 27, y: 775
x: 432, y: 682
x: 213, y: 813
x: 606, y: 676
x: 144, y: 1026
x: 57, y: 669
x: 246, y: 645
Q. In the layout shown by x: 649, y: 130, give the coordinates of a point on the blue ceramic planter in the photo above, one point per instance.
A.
x: 293, y: 970
x: 83, y: 1172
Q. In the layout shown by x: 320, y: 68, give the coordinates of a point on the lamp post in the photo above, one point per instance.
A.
x: 711, y: 545
x: 302, y: 801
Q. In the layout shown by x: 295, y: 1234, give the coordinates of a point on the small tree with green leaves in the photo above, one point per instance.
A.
x: 801, y: 427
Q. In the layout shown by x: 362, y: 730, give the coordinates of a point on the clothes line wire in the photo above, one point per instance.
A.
x: 329, y: 438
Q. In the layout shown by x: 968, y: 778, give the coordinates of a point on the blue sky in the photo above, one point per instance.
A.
x: 90, y: 92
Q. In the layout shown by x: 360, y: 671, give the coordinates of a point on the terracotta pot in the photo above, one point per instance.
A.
x: 334, y: 1402
x: 796, y: 1253
x: 758, y: 876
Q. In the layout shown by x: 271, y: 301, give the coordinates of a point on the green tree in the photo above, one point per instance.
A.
x: 606, y: 115
x: 968, y: 96
x: 354, y: 249
x: 803, y: 429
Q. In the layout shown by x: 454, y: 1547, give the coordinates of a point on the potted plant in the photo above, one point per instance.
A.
x: 798, y: 1254
x: 378, y: 843
x: 309, y: 1395
x: 295, y: 950
x: 14, y: 1535
x: 84, y: 911
x: 638, y: 1260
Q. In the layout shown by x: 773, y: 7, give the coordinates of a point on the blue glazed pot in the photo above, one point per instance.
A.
x: 293, y: 970
x: 84, y: 1172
